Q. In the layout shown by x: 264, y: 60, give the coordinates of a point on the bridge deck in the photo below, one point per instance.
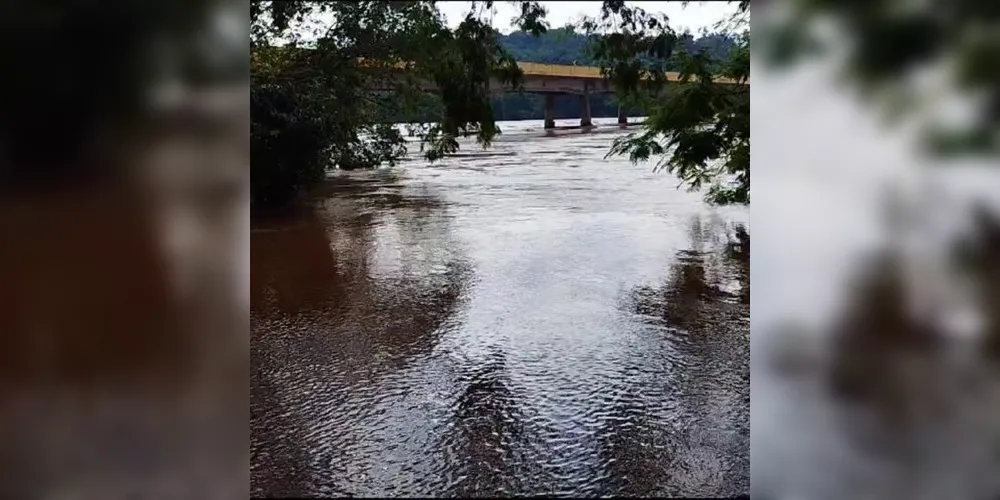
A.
x: 539, y: 70
x: 560, y: 71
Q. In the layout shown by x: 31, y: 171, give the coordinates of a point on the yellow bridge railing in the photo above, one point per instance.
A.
x: 588, y: 72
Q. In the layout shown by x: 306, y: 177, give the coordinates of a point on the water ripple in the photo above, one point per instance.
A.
x: 534, y: 321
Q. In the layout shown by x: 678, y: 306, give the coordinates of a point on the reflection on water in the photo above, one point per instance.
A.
x: 536, y: 320
x: 704, y: 307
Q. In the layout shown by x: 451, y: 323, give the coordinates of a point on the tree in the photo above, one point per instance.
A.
x: 327, y: 102
x: 699, y: 129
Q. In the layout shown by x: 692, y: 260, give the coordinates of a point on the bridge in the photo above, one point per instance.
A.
x: 554, y: 79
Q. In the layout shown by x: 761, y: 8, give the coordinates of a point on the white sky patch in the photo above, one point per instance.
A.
x: 694, y: 16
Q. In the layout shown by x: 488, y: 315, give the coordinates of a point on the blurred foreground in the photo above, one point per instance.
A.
x: 124, y: 268
x: 877, y: 266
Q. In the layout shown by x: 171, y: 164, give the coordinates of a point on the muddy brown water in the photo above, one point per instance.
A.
x: 534, y: 319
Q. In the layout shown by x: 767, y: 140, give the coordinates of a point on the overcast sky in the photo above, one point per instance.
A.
x: 695, y: 16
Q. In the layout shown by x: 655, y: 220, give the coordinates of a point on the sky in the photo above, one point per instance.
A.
x: 695, y: 16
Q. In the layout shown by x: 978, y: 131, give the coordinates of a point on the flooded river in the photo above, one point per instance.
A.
x: 530, y: 320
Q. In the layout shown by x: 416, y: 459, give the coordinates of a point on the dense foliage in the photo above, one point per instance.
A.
x: 315, y: 108
x: 698, y: 129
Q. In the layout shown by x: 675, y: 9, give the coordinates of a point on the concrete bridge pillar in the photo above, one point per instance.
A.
x: 550, y: 111
x: 585, y: 118
x: 622, y: 116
